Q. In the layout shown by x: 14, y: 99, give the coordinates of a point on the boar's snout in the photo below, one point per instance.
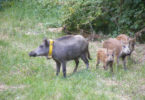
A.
x: 32, y: 54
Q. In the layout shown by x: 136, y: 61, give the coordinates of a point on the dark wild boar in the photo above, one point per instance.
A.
x: 70, y: 47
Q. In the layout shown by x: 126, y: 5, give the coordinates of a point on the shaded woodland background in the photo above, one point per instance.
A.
x: 109, y: 17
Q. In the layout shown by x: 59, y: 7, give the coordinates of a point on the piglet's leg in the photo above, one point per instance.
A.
x: 124, y: 62
x: 117, y: 60
x: 105, y: 66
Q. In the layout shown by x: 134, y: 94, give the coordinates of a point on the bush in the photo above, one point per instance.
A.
x: 108, y: 16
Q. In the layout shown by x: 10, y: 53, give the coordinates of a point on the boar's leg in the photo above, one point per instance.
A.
x: 84, y: 58
x: 58, y: 64
x: 117, y: 60
x: 77, y: 62
x: 124, y: 62
x: 64, y: 68
x: 111, y: 67
x: 105, y: 66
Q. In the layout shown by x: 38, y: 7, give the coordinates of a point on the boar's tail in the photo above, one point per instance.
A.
x: 88, y: 54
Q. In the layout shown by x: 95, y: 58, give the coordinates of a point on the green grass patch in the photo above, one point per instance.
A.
x: 25, y: 78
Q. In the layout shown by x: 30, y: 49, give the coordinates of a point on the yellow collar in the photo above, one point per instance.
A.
x: 50, y: 48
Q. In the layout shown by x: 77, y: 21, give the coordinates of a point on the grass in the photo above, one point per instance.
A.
x: 25, y: 78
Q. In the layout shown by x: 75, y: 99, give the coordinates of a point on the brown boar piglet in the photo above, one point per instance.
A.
x: 106, y: 56
x: 121, y: 49
x: 123, y: 37
x: 131, y: 41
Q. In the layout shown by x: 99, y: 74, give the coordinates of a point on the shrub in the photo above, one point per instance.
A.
x: 108, y: 16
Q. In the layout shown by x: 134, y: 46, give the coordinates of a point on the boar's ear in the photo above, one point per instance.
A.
x: 45, y: 42
x: 131, y: 41
x: 134, y: 40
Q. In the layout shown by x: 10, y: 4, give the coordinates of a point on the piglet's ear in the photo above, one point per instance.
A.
x: 132, y: 40
x: 45, y: 42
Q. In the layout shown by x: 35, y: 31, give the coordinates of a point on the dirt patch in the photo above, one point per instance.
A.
x: 140, y: 90
x: 4, y: 87
x: 110, y: 82
x: 57, y: 96
x: 140, y: 53
x: 142, y: 59
x: 56, y: 30
x: 121, y: 96
x: 3, y: 37
x: 124, y: 97
x: 31, y: 33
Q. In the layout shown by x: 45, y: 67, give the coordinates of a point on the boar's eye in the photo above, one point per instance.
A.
x: 41, y: 46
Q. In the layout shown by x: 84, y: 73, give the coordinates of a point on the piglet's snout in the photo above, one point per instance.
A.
x: 110, y: 59
x: 32, y: 54
x: 129, y: 51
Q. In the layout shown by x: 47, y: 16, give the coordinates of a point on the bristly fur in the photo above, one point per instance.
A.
x: 103, y: 55
x: 65, y: 37
x: 113, y: 43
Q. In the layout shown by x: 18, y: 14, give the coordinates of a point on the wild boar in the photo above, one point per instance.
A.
x: 121, y: 49
x: 106, y: 56
x: 70, y: 47
x: 125, y: 38
x: 132, y: 42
